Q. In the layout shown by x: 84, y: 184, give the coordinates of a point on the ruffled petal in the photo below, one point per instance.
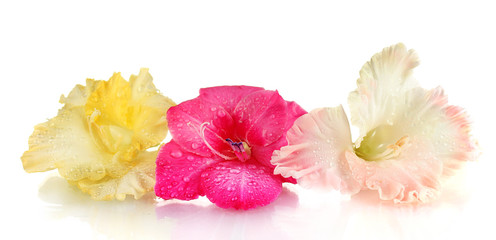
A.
x: 201, y: 127
x: 178, y: 172
x: 315, y: 153
x: 137, y: 181
x: 383, y: 81
x: 414, y: 177
x: 133, y: 111
x: 263, y: 117
x: 233, y: 184
x: 227, y: 96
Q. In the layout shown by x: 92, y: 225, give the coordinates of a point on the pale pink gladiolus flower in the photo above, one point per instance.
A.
x: 410, y: 138
x: 221, y: 146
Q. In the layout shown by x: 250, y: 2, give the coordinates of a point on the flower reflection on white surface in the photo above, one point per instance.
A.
x: 129, y: 219
x: 196, y: 221
x: 297, y: 214
x: 365, y: 216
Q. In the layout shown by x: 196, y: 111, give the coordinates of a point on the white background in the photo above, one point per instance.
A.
x: 311, y: 51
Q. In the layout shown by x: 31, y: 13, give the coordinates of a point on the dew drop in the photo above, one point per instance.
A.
x: 221, y: 113
x: 186, y: 179
x: 195, y: 146
x: 176, y: 154
x: 234, y: 171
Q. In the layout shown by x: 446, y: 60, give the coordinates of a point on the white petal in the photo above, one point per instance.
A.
x: 381, y: 87
x: 315, y: 154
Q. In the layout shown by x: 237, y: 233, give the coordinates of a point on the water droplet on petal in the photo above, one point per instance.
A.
x: 221, y: 113
x: 234, y: 171
x: 195, y: 145
x: 186, y: 179
x: 176, y: 154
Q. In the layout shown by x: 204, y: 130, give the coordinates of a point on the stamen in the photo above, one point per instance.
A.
x: 202, y: 135
x: 239, y: 150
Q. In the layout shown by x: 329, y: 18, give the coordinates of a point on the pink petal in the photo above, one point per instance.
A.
x: 227, y: 96
x: 315, y: 154
x: 178, y: 172
x: 294, y: 111
x: 263, y: 154
x: 263, y: 117
x: 185, y: 124
x: 415, y: 177
x: 233, y: 184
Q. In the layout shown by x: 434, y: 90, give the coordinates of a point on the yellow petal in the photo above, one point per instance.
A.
x: 137, y: 181
x: 147, y: 110
x: 99, y: 138
x: 64, y: 142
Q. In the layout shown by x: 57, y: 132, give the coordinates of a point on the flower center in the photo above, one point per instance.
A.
x: 380, y: 144
x: 241, y: 149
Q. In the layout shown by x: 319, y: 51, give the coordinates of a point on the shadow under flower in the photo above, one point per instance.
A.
x: 207, y: 221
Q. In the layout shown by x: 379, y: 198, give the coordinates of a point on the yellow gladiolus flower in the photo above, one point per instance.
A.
x: 99, y: 138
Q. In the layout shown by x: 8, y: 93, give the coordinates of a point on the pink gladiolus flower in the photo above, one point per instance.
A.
x: 221, y: 146
x: 410, y: 138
